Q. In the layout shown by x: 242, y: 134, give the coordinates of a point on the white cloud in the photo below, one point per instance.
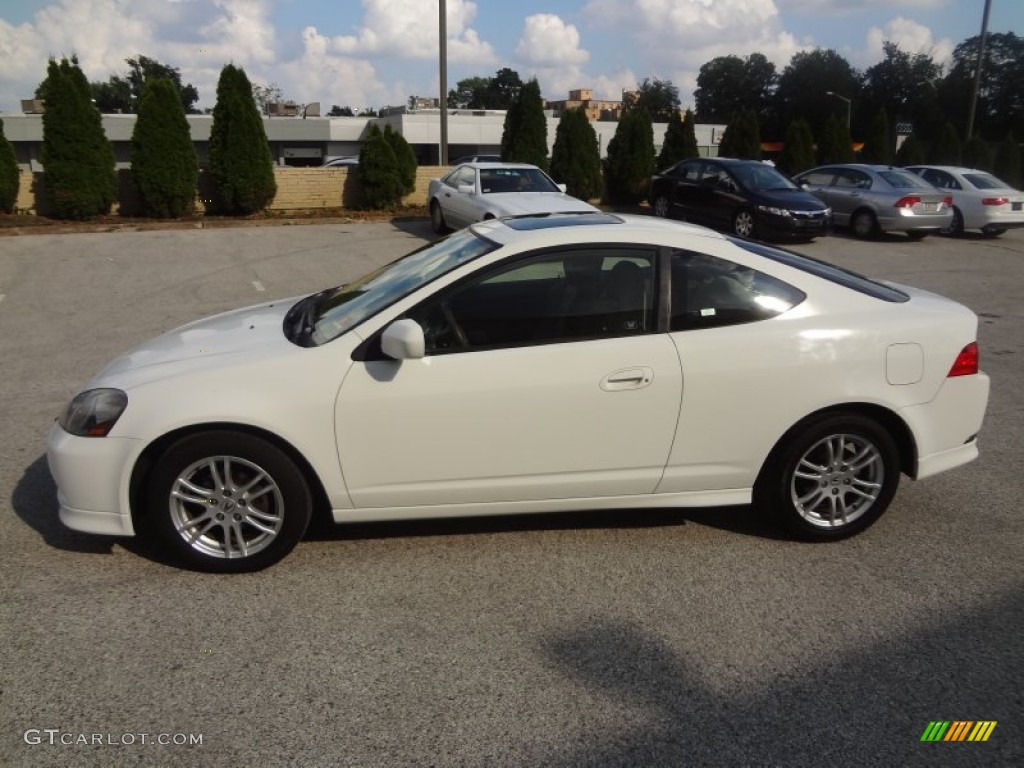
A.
x: 845, y: 7
x: 549, y: 49
x: 409, y: 28
x: 910, y: 36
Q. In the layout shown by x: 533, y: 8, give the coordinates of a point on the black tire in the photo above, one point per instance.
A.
x: 243, y: 499
x: 864, y: 224
x: 956, y: 228
x: 992, y: 231
x: 437, y: 222
x: 808, y: 504
x: 916, y: 234
x: 661, y: 207
x: 743, y: 224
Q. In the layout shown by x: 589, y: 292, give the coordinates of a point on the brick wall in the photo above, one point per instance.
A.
x: 297, y: 189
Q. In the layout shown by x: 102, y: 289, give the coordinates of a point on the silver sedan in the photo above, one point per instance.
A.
x: 879, y: 198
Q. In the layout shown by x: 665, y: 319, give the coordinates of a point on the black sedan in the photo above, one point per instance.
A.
x: 745, y: 197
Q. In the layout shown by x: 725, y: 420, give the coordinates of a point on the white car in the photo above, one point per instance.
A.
x: 534, y: 364
x: 477, y: 191
x: 980, y: 200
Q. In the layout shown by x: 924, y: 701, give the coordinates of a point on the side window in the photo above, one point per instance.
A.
x: 850, y: 179
x: 712, y: 175
x: 940, y: 179
x: 555, y: 297
x: 708, y: 292
x: 465, y: 176
x: 818, y: 178
x: 687, y: 171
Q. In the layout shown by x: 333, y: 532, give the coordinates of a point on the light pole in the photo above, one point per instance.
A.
x: 849, y: 106
x: 443, y: 101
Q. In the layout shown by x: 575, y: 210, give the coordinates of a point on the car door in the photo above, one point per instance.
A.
x: 460, y: 208
x: 850, y: 190
x: 819, y: 183
x: 543, y: 379
x: 714, y: 199
x: 684, y: 188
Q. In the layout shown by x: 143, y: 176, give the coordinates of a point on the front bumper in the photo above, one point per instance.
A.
x: 793, y: 226
x: 92, y: 476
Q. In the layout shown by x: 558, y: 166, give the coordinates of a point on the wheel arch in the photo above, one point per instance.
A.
x: 143, y: 467
x: 886, y: 418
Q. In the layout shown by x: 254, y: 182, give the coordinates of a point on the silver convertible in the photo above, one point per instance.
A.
x: 477, y: 191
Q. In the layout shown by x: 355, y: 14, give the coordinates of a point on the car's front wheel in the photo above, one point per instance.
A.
x: 864, y: 225
x: 437, y: 221
x: 661, y: 206
x: 743, y: 224
x: 831, y: 477
x: 226, y: 502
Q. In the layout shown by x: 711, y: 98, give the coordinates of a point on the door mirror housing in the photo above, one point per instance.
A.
x: 563, y: 188
x: 403, y: 340
x: 466, y: 189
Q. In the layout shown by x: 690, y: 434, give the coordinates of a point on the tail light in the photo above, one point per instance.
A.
x: 948, y: 202
x: 966, y: 362
x: 908, y: 201
x: 995, y: 200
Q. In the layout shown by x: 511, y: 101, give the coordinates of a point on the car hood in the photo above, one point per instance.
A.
x: 791, y: 199
x: 520, y: 203
x: 243, y: 332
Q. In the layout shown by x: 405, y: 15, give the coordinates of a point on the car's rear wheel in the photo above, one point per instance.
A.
x: 661, y: 206
x: 743, y: 224
x: 956, y: 227
x: 864, y: 224
x: 437, y: 222
x: 992, y: 231
x: 226, y: 502
x: 831, y: 477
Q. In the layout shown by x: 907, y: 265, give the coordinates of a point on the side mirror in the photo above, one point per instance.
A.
x: 563, y: 188
x: 403, y: 340
x: 466, y: 189
x: 804, y: 185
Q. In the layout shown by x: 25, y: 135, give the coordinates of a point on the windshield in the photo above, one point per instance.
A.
x: 986, y: 181
x: 325, y: 316
x: 762, y: 178
x: 497, y: 180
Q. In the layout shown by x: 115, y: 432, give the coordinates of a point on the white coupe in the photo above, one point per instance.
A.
x: 533, y: 364
x: 477, y: 191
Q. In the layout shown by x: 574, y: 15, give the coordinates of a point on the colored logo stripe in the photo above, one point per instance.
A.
x: 958, y: 730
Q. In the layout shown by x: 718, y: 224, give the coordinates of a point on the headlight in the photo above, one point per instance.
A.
x: 774, y: 211
x: 94, y: 412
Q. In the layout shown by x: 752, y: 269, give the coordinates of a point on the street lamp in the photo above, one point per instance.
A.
x: 849, y: 106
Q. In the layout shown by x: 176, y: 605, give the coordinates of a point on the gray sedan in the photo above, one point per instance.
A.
x: 879, y: 198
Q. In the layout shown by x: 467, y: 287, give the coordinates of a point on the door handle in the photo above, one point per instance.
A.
x: 627, y: 378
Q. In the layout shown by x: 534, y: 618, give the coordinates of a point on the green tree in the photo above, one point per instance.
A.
x: 121, y: 94
x: 9, y: 175
x: 911, y: 151
x: 835, y: 145
x: 804, y: 83
x: 525, y: 135
x: 241, y: 165
x: 77, y: 158
x: 1008, y: 163
x: 727, y: 85
x: 680, y: 141
x: 901, y: 83
x: 878, y: 146
x: 742, y: 137
x: 630, y: 161
x: 164, y: 165
x: 379, y: 172
x: 946, y: 151
x: 498, y: 92
x: 575, y: 158
x: 977, y: 154
x: 406, y: 159
x: 1000, y: 107
x: 266, y: 94
x: 337, y: 111
x: 658, y: 97
x: 798, y: 150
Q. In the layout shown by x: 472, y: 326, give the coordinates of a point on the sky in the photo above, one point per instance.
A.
x: 373, y: 53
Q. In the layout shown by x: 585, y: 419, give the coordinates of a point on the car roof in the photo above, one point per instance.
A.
x: 590, y: 226
x: 950, y: 168
x: 479, y: 164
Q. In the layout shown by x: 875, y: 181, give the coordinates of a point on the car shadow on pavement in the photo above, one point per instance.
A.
x: 34, y: 500
x: 416, y: 226
x: 737, y: 519
x: 864, y: 705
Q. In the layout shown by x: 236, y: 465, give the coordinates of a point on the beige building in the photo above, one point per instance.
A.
x: 596, y: 109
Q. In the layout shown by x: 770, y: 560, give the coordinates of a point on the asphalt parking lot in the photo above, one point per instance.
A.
x: 654, y: 638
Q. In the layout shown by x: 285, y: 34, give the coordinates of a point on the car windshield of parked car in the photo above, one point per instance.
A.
x: 498, y: 180
x: 762, y: 178
x: 986, y: 181
x: 331, y: 313
x: 904, y: 180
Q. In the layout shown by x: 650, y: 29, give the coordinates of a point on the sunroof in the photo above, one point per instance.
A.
x: 552, y: 220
